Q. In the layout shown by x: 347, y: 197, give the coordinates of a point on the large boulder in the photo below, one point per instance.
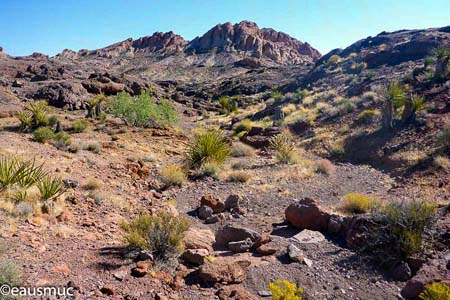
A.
x: 62, y: 94
x: 436, y: 270
x: 233, y: 233
x: 259, y: 137
x: 199, y: 238
x: 214, y: 202
x: 306, y: 214
x: 224, y: 270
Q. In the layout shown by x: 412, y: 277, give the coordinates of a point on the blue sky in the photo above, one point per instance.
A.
x: 49, y: 26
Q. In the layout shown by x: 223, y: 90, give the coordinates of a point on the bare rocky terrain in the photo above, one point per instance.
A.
x: 283, y: 221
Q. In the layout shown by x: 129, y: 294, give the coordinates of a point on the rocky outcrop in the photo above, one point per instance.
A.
x: 224, y: 270
x: 166, y: 43
x: 306, y: 214
x: 62, y: 94
x: 260, y: 43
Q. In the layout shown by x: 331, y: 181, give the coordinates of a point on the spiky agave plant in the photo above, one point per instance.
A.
x: 26, y: 120
x: 30, y: 173
x: 207, y: 147
x: 50, y: 187
x: 8, y: 172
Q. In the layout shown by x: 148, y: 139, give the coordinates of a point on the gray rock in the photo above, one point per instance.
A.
x: 205, y: 212
x: 195, y: 256
x: 402, y: 272
x: 264, y: 293
x: 308, y: 237
x: 212, y: 219
x: 297, y: 255
x: 240, y: 246
x: 69, y: 183
x: 233, y: 233
x: 232, y: 202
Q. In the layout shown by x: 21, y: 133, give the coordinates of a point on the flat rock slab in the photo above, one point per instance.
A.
x: 308, y: 237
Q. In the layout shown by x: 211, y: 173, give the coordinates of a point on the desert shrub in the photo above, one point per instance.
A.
x: 358, y: 67
x: 79, y: 126
x: 93, y: 147
x: 239, y: 176
x: 435, y: 291
x: 285, y: 290
x: 173, y: 175
x: 52, y: 120
x: 243, y: 126
x: 428, y: 61
x: 92, y: 185
x: 241, y: 150
x: 26, y: 120
x: 337, y: 150
x: 209, y: 146
x: 95, y: 106
x: 299, y: 95
x: 284, y: 147
x: 325, y: 166
x: 345, y: 106
x: 209, y: 169
x: 43, y: 135
x: 61, y: 140
x: 355, y: 203
x: 370, y: 97
x: 10, y: 274
x: 228, y: 105
x: 442, y: 55
x: 397, y: 94
x: 50, y: 187
x: 398, y: 231
x: 142, y: 111
x: 74, y: 147
x: 333, y: 60
x: 441, y: 162
x: 39, y: 110
x: 368, y: 116
x: 162, y: 234
x: 276, y: 95
x: 443, y: 139
x: 418, y: 103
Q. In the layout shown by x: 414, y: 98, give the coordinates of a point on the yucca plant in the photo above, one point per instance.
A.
x: 210, y: 146
x: 39, y: 110
x: 284, y: 147
x: 397, y: 95
x: 442, y: 62
x: 8, y: 174
x: 50, y: 188
x: 20, y: 195
x: 418, y: 103
x: 29, y: 173
x: 26, y: 120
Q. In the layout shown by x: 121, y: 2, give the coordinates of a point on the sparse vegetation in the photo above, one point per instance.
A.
x: 355, y: 203
x: 142, y: 111
x: 243, y: 126
x: 436, y: 291
x: 285, y: 290
x: 240, y: 176
x: 43, y: 135
x: 62, y: 140
x: 276, y: 95
x: 284, y: 147
x: 79, y: 126
x: 95, y: 106
x: 325, y: 166
x: 399, y: 230
x: 207, y: 147
x: 368, y: 116
x: 442, y: 55
x: 93, y: 147
x: 228, y: 104
x: 92, y: 185
x: 443, y: 139
x: 173, y: 175
x: 10, y: 274
x: 50, y: 187
x: 209, y: 169
x: 161, y: 234
x: 242, y: 150
x: 441, y: 162
x: 333, y: 60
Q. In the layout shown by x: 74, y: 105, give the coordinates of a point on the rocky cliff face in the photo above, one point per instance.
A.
x: 248, y: 38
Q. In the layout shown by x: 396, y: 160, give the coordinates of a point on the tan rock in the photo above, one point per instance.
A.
x: 197, y: 238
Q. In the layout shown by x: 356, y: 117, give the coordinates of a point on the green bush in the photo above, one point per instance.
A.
x: 355, y: 203
x: 333, y: 60
x: 299, y: 95
x: 207, y: 147
x: 243, y: 126
x: 161, y: 234
x: 62, y: 140
x: 285, y: 290
x: 443, y: 139
x: 43, y: 135
x: 398, y: 231
x: 436, y: 291
x: 79, y: 126
x: 397, y: 94
x: 26, y: 120
x: 209, y: 169
x: 228, y: 105
x: 142, y: 111
x: 368, y: 116
x: 10, y: 274
x: 276, y: 95
x: 173, y: 175
x: 284, y: 147
x: 93, y: 147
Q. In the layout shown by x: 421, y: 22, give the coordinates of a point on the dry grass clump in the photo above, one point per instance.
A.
x: 210, y: 169
x: 435, y: 291
x: 93, y: 147
x: 173, y: 175
x: 92, y: 184
x: 325, y: 166
x: 442, y: 162
x: 161, y: 234
x: 243, y: 127
x: 79, y: 126
x: 242, y: 150
x: 239, y: 176
x: 288, y: 109
x: 284, y: 146
x: 207, y: 147
x: 355, y: 203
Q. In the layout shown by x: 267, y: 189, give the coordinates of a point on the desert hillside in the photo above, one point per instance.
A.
x: 240, y: 165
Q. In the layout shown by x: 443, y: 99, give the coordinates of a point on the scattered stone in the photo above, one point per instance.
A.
x: 141, y: 269
x: 232, y: 202
x: 215, y: 203
x: 264, y: 294
x: 212, y: 219
x: 120, y: 275
x: 61, y: 268
x: 107, y: 290
x: 240, y: 246
x: 308, y: 237
x: 233, y: 233
x: 69, y: 183
x: 234, y: 292
x: 306, y: 214
x: 223, y: 270
x: 195, y: 256
x: 65, y: 216
x: 402, y: 272
x: 266, y: 249
x: 335, y: 224
x: 297, y: 255
x: 204, y: 212
x: 197, y: 238
x: 17, y: 83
